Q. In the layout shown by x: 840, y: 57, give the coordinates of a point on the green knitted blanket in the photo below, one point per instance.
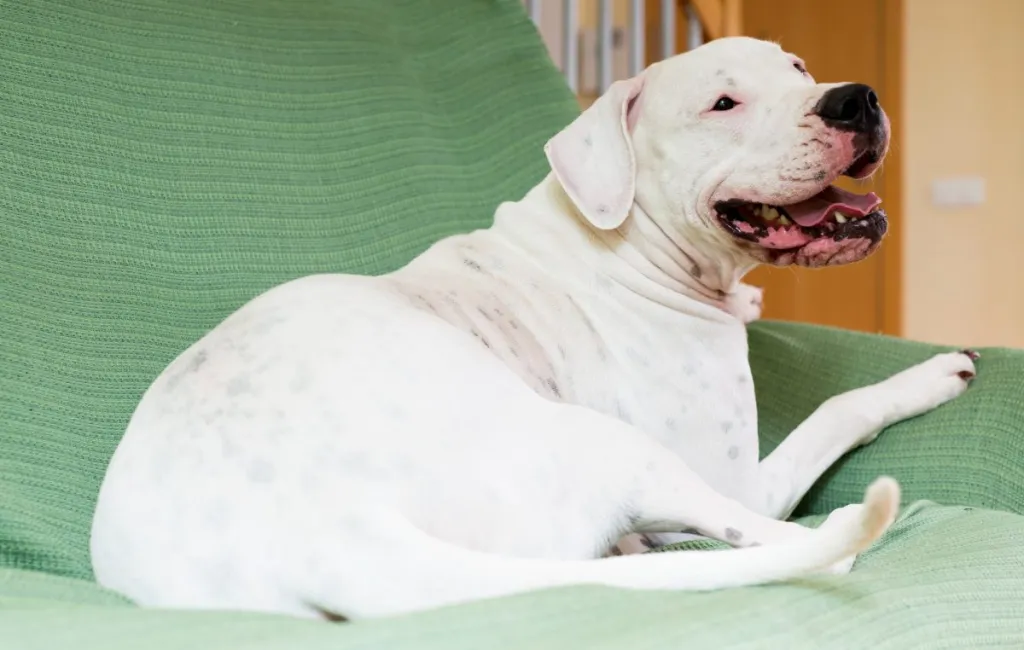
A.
x: 162, y: 161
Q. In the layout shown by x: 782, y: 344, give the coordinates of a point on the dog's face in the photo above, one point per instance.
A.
x: 735, y: 147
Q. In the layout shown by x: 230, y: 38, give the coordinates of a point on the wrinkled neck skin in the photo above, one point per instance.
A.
x: 663, y: 265
x: 612, y: 320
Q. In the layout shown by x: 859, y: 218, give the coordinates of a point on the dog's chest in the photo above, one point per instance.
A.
x: 691, y: 388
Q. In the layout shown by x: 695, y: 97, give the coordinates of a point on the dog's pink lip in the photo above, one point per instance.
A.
x: 863, y: 166
x: 853, y: 241
x: 781, y: 239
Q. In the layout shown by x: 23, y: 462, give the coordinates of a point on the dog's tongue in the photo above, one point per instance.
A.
x: 817, y: 208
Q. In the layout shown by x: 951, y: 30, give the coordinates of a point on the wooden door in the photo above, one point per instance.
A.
x: 842, y: 41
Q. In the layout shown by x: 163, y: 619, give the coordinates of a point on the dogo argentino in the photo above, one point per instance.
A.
x: 494, y: 416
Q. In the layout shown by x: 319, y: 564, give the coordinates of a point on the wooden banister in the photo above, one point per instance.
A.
x: 719, y: 18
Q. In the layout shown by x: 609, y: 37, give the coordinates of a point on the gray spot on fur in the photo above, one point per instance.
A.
x: 480, y: 338
x: 239, y: 385
x: 473, y: 264
x: 623, y: 413
x: 216, y: 515
x: 193, y: 365
x: 733, y: 453
x: 211, y: 416
x: 197, y: 361
x: 301, y: 381
x: 228, y: 448
x: 484, y: 313
x: 733, y: 535
x: 553, y: 387
x: 726, y: 427
x: 671, y: 424
x: 260, y: 471
x: 696, y: 272
x: 638, y: 358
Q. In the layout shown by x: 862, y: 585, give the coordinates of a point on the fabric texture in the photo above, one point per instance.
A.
x: 943, y: 577
x: 163, y: 161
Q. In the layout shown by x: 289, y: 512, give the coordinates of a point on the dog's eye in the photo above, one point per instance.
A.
x: 724, y: 104
x: 799, y: 67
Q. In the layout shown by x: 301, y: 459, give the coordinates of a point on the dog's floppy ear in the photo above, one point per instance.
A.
x: 593, y: 157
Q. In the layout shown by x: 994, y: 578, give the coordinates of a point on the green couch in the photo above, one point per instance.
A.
x: 163, y: 161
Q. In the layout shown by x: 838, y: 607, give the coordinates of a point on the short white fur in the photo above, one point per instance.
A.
x: 493, y: 417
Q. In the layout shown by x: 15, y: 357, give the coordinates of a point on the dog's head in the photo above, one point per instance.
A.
x: 732, y: 146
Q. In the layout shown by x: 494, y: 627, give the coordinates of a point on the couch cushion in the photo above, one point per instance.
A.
x: 163, y: 161
x: 942, y: 577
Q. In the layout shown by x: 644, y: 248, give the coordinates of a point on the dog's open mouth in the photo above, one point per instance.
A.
x: 832, y: 227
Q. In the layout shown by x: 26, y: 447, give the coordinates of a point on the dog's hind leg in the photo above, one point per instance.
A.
x: 390, y: 567
x: 374, y: 561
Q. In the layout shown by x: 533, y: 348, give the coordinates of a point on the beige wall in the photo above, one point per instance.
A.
x: 964, y: 103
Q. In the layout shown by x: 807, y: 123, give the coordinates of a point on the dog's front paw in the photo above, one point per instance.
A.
x: 921, y: 388
x: 745, y: 302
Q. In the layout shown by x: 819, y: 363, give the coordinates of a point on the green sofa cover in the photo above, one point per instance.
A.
x: 163, y: 161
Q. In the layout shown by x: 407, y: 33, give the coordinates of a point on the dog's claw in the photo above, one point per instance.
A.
x: 974, y: 356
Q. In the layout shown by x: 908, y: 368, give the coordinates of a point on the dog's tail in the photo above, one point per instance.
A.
x: 424, y: 572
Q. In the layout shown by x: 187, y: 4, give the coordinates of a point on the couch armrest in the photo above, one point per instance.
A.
x: 967, y: 452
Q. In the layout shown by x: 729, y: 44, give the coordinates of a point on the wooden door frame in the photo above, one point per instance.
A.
x: 890, y: 280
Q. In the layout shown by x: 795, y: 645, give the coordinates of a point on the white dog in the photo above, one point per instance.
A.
x: 494, y: 416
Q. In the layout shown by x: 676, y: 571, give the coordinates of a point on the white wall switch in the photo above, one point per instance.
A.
x: 958, y: 191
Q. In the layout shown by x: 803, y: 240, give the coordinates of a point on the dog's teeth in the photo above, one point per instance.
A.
x: 840, y: 217
x: 771, y: 214
x: 783, y: 220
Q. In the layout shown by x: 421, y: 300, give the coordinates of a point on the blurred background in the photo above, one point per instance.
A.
x: 950, y: 74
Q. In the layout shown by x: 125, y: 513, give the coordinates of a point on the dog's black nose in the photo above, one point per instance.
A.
x: 853, y: 107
